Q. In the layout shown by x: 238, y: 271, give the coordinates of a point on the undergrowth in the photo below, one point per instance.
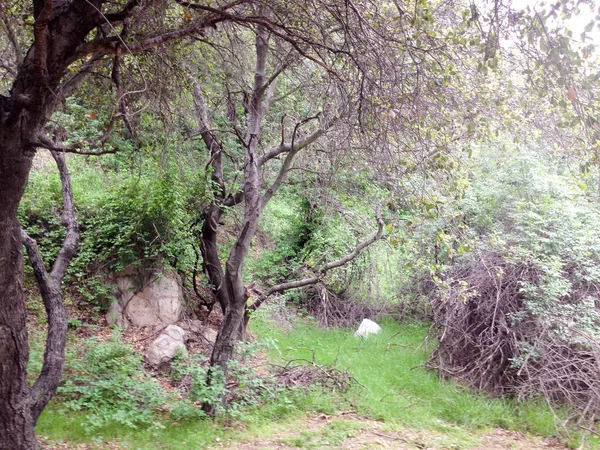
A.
x: 392, y: 385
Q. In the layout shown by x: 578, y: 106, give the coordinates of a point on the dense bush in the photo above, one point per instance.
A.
x: 129, y: 212
x: 519, y: 313
x: 108, y: 382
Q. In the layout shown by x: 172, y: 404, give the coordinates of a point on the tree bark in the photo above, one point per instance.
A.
x: 16, y: 420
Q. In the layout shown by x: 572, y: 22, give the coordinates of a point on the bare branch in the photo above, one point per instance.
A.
x: 108, y: 46
x: 125, y: 13
x: 286, y: 34
x: 72, y: 84
x: 68, y: 220
x: 213, y: 144
x: 291, y: 150
x: 9, y: 68
x: 12, y: 37
x: 44, y: 141
x: 323, y: 270
x: 296, y: 147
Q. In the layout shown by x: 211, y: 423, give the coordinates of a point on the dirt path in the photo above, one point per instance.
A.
x: 354, y: 433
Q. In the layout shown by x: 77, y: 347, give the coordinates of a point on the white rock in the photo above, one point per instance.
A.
x: 166, y: 346
x: 367, y: 327
x: 159, y: 303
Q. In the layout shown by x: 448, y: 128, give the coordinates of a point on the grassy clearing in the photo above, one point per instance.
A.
x: 396, y: 389
x: 396, y: 386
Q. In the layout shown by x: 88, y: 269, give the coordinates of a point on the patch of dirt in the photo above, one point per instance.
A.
x: 47, y: 444
x: 363, y: 434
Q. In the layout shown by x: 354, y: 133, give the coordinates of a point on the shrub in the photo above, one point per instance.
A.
x: 109, y: 383
x: 519, y: 315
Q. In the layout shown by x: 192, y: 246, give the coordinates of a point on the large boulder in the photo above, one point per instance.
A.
x: 166, y: 346
x: 141, y: 302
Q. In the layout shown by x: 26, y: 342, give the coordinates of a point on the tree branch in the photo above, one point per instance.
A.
x: 40, y: 33
x: 68, y: 220
x: 44, y: 141
x: 125, y: 13
x: 213, y: 144
x: 287, y: 35
x: 108, y: 46
x: 323, y: 270
x: 12, y: 37
x: 10, y: 69
x: 296, y: 147
x: 50, y: 284
x: 67, y: 88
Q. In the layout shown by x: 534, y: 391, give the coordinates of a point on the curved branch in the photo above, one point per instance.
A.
x: 323, y: 270
x: 54, y: 352
x: 49, y: 284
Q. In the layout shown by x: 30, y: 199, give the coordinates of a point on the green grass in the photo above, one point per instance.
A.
x: 396, y: 387
x: 59, y: 424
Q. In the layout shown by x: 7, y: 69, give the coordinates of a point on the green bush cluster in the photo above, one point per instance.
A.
x: 108, y: 382
x: 537, y: 213
x: 129, y: 212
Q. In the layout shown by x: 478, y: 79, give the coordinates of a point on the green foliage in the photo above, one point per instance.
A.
x: 193, y: 371
x: 283, y: 231
x: 536, y: 213
x: 109, y: 383
x: 129, y: 211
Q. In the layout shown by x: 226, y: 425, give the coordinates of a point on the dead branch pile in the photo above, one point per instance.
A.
x: 305, y: 372
x: 333, y: 309
x: 482, y: 343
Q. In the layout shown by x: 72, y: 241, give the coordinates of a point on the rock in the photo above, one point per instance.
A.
x: 210, y: 335
x: 166, y: 346
x: 192, y: 325
x: 366, y: 328
x: 114, y: 316
x: 141, y: 303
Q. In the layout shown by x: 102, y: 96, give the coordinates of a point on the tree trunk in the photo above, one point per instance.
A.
x: 16, y: 420
x: 225, y: 343
x: 210, y: 255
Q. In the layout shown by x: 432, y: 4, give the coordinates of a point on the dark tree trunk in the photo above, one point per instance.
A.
x: 16, y: 420
x: 210, y: 254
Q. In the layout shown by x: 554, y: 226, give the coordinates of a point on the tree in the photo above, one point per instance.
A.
x: 69, y: 40
x: 371, y: 94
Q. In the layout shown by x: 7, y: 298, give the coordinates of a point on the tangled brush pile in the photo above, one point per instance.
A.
x: 514, y: 325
